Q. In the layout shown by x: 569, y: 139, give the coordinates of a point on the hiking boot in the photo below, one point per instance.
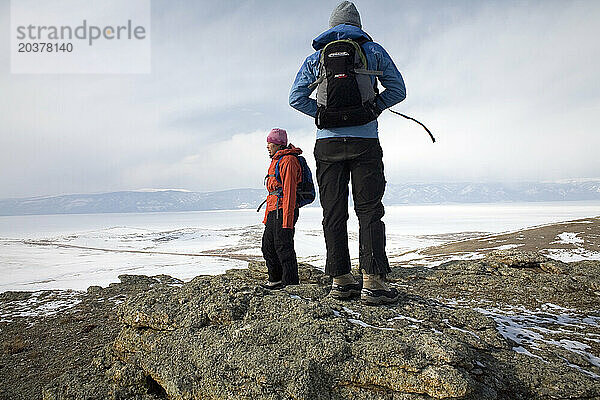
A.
x: 375, y: 291
x: 273, y: 285
x: 345, y: 287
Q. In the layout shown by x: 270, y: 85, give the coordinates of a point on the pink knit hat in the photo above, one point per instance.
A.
x: 277, y: 136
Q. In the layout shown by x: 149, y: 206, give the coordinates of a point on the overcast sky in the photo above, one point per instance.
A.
x: 511, y: 89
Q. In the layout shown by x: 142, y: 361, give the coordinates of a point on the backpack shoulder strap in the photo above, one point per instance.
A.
x: 364, y: 71
x: 316, y: 83
x: 277, y: 174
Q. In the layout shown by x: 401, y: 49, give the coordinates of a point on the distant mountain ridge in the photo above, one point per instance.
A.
x: 133, y: 202
x: 158, y: 200
x: 492, y: 192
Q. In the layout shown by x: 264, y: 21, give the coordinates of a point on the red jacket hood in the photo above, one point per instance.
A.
x: 291, y: 149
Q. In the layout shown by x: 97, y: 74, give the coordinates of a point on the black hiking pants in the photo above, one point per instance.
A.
x: 278, y: 249
x: 338, y: 161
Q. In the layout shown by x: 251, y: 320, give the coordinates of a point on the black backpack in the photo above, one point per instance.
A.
x: 345, y: 94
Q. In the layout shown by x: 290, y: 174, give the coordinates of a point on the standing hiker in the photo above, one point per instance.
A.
x: 344, y: 70
x: 281, y: 214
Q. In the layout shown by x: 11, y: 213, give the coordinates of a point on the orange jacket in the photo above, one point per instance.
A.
x: 291, y: 175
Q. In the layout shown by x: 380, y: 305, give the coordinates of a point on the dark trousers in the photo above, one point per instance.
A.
x: 338, y: 161
x: 278, y: 250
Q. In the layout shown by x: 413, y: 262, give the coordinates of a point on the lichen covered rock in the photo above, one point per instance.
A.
x: 226, y: 337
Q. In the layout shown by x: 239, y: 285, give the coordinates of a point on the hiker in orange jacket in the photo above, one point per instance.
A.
x: 281, y: 213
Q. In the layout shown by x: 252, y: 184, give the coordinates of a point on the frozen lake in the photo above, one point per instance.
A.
x: 76, y: 251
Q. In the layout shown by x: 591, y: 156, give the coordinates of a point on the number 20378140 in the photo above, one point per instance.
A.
x: 45, y: 47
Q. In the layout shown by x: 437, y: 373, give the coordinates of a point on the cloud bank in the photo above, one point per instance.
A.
x: 509, y: 88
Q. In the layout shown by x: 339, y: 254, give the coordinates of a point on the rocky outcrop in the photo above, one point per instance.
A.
x: 225, y: 337
x: 49, y: 335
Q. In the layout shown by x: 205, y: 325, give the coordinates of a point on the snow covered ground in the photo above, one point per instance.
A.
x: 76, y: 251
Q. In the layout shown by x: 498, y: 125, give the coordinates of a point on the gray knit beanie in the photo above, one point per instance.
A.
x: 345, y: 13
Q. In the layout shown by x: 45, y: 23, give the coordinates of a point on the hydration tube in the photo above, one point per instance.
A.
x: 412, y: 119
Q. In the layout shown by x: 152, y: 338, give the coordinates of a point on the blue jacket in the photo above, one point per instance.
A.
x: 377, y: 59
